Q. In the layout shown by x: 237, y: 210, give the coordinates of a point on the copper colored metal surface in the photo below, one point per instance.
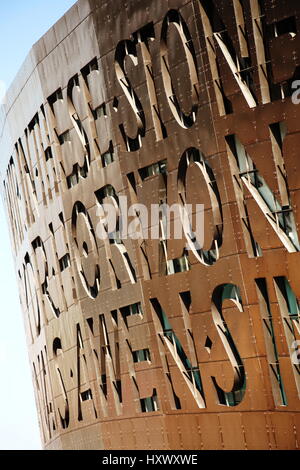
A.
x: 125, y: 355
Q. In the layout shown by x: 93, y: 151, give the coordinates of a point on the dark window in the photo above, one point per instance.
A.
x: 141, y: 355
x: 87, y: 395
x: 178, y: 265
x: 107, y: 158
x: 149, y: 404
x: 286, y: 26
x: 100, y: 111
x: 154, y: 169
x: 92, y: 65
x: 64, y: 137
x: 48, y: 153
x: 33, y: 122
x: 104, y: 384
x: 57, y: 95
x: 64, y: 262
x: 133, y: 309
x: 72, y: 180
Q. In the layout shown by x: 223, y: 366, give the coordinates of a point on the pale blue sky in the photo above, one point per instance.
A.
x: 22, y: 23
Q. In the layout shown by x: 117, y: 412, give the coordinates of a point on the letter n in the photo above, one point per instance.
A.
x: 246, y: 175
x: 188, y: 368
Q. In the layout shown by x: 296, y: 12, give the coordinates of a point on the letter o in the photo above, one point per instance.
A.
x: 174, y: 17
x: 80, y: 212
x: 192, y: 155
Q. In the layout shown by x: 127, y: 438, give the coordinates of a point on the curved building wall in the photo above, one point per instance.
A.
x: 144, y: 342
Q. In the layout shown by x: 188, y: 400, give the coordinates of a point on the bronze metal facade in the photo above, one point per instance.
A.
x: 129, y: 348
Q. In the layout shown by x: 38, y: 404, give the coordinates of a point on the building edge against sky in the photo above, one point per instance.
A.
x: 130, y: 346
